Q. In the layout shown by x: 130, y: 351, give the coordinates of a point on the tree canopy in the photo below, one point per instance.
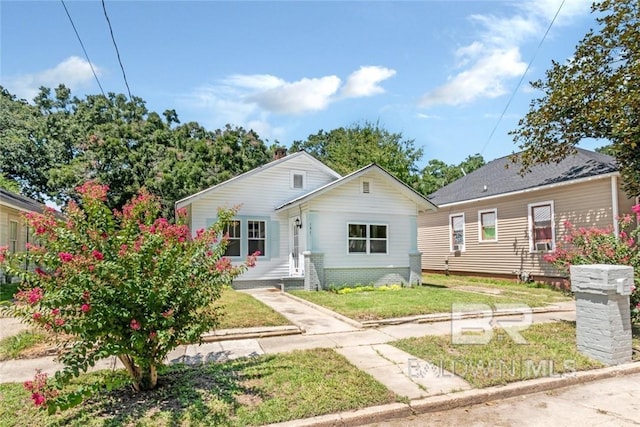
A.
x: 348, y: 149
x: 596, y: 94
x: 60, y: 141
x: 437, y: 173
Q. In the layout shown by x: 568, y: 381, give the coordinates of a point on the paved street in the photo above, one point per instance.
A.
x: 609, y: 402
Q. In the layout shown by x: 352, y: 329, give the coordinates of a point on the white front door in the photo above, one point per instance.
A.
x: 296, y: 260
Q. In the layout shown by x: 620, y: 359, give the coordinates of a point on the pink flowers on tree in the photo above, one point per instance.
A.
x: 601, y: 246
x: 122, y: 283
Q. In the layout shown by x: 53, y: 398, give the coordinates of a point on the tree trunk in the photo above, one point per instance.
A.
x: 144, y: 377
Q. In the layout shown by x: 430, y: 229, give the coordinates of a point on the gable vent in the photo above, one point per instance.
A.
x: 365, y: 187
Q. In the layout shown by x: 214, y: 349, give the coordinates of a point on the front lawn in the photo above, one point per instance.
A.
x: 241, y: 310
x: 248, y: 391
x: 430, y: 298
x: 550, y: 350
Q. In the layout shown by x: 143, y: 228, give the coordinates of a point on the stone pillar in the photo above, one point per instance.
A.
x: 313, y: 271
x: 415, y: 268
x: 603, y: 317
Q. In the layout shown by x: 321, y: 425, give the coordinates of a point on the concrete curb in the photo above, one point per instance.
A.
x: 246, y: 333
x: 324, y: 310
x: 464, y: 398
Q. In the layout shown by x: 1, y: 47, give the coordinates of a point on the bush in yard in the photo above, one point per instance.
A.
x: 123, y: 283
x: 601, y: 246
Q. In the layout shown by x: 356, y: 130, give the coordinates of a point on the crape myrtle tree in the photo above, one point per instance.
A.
x: 123, y: 283
x: 595, y: 94
x: 582, y: 245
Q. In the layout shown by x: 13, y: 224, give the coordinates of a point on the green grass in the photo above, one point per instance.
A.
x: 243, y: 392
x: 436, y: 296
x: 243, y: 311
x: 7, y: 290
x: 13, y: 347
x: 550, y: 350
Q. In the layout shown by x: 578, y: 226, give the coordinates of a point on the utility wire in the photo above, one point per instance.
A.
x: 124, y: 75
x: 83, y: 49
x: 513, y: 94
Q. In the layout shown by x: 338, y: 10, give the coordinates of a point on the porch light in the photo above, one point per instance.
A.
x: 298, y: 223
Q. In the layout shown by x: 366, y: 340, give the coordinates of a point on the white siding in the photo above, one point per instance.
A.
x: 347, y: 204
x: 258, y: 195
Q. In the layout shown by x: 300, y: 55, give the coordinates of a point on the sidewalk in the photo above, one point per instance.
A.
x: 365, y: 347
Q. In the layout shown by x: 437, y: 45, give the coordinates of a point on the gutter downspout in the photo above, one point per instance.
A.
x: 614, y: 205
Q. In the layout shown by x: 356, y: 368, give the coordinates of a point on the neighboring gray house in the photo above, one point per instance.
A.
x: 314, y: 227
x: 495, y: 222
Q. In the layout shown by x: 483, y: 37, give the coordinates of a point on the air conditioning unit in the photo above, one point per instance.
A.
x: 457, y: 248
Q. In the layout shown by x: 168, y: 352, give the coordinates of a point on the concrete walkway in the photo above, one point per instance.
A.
x: 365, y: 348
x: 311, y: 320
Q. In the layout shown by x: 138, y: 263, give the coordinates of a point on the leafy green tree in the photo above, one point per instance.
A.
x: 9, y: 184
x: 438, y: 174
x: 24, y: 157
x: 61, y: 141
x: 596, y: 94
x: 118, y: 283
x: 348, y: 149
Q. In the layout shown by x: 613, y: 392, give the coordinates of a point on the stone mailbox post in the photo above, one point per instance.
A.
x: 603, y: 317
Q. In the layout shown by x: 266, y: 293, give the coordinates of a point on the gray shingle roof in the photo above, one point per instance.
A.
x: 21, y: 202
x: 499, y: 179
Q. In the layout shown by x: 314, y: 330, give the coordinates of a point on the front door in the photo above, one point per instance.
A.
x: 296, y: 263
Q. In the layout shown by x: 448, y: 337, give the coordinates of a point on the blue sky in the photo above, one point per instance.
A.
x: 439, y: 72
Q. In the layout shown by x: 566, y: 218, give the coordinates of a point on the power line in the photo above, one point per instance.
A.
x: 124, y: 75
x: 83, y: 49
x: 513, y: 94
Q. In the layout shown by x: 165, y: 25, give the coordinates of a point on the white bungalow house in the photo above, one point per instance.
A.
x: 315, y: 228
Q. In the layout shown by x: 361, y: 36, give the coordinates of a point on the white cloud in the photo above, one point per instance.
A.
x: 305, y: 95
x: 483, y: 80
x: 494, y: 58
x: 365, y: 81
x: 249, y: 100
x: 428, y: 116
x: 74, y: 72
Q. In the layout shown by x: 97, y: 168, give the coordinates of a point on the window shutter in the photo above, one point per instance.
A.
x: 273, y: 236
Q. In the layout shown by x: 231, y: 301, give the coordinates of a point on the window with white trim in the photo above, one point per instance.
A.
x: 233, y: 233
x: 367, y: 238
x: 13, y: 236
x: 456, y: 232
x: 541, y: 227
x: 488, y: 225
x: 256, y: 236
x: 297, y: 179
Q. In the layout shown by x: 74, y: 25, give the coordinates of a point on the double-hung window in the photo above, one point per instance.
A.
x: 246, y: 237
x: 233, y: 232
x: 541, y: 227
x: 456, y: 232
x: 367, y: 238
x: 256, y: 236
x: 488, y: 225
x: 13, y: 236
